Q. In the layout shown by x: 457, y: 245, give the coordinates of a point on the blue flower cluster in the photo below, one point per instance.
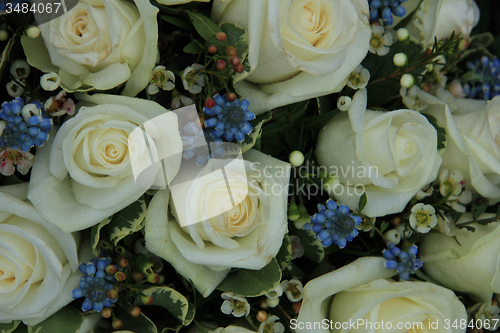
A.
x: 95, y: 284
x: 384, y: 9
x: 484, y: 78
x: 23, y: 131
x: 405, y: 263
x: 197, y: 142
x: 230, y: 119
x: 334, y: 224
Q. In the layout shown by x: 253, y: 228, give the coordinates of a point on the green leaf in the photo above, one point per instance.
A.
x: 479, y: 206
x: 142, y: 264
x: 201, y: 328
x: 177, y: 22
x: 205, y: 27
x: 285, y: 254
x: 324, y: 104
x: 312, y: 123
x: 384, y: 226
x: 8, y: 328
x: 237, y: 37
x: 68, y: 319
x: 252, y: 283
x: 95, y: 235
x: 362, y: 202
x: 140, y: 324
x: 313, y: 249
x: 126, y: 221
x: 440, y: 131
x: 256, y: 132
x: 173, y: 301
x: 192, y: 48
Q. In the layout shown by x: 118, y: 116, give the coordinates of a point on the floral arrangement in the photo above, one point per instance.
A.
x: 235, y: 166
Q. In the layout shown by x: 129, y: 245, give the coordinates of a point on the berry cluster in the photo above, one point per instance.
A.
x: 483, y: 78
x: 405, y: 263
x: 385, y: 9
x: 231, y: 52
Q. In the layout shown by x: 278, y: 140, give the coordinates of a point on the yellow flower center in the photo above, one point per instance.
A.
x: 422, y: 218
x: 376, y: 41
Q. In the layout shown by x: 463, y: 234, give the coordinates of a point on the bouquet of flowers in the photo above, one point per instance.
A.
x: 235, y: 166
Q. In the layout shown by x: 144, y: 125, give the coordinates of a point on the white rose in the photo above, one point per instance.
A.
x: 297, y: 49
x: 246, y: 236
x: 37, y: 261
x: 85, y: 172
x: 361, y: 292
x: 390, y: 155
x: 98, y: 44
x: 439, y: 18
x: 469, y: 262
x: 473, y: 146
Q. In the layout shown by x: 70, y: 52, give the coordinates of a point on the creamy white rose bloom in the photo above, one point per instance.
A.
x: 473, y: 146
x: 391, y: 155
x: 361, y: 292
x: 38, y: 261
x: 98, y: 44
x: 468, y: 263
x: 247, y: 235
x: 84, y: 173
x: 298, y: 49
x: 439, y: 18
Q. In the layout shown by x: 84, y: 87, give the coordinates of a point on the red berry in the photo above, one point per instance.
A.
x: 210, y: 103
x: 231, y: 51
x: 123, y: 262
x: 212, y: 49
x: 234, y: 61
x: 147, y: 300
x: 153, y: 278
x: 106, y: 313
x: 120, y: 276
x: 112, y: 294
x: 239, y: 68
x: 221, y: 65
x: 111, y: 269
x: 117, y: 324
x: 135, y: 311
x: 136, y: 276
x: 231, y: 96
x: 221, y: 36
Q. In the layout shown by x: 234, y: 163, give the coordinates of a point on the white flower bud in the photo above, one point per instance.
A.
x: 407, y: 80
x: 296, y: 158
x: 392, y: 236
x: 2, y: 126
x: 403, y: 34
x: 33, y: 31
x: 400, y: 59
x: 20, y: 69
x: 344, y: 103
x: 273, y: 302
x: 50, y: 81
x: 4, y: 35
x: 13, y: 89
x: 30, y: 110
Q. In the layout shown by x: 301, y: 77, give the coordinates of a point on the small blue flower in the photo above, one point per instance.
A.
x: 94, y: 285
x: 200, y: 143
x: 385, y: 9
x: 230, y: 119
x: 405, y: 263
x: 334, y: 224
x: 23, y: 130
x: 483, y: 78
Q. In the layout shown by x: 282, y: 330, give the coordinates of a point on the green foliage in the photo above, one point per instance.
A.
x: 441, y: 132
x: 126, y: 222
x: 313, y: 249
x: 285, y: 254
x: 256, y: 132
x: 140, y: 324
x: 9, y: 327
x: 66, y: 320
x: 479, y: 206
x: 173, y: 301
x: 237, y: 37
x: 205, y: 27
x: 252, y: 283
x: 362, y: 202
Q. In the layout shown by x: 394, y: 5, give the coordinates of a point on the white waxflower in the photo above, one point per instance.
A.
x: 392, y: 236
x: 180, y: 101
x: 192, y: 80
x: 423, y: 218
x: 275, y: 293
x: 407, y: 81
x: 20, y: 69
x: 403, y: 230
x: 293, y: 290
x: 380, y: 41
x: 485, y: 312
x: 400, y: 59
x: 424, y: 194
x: 14, y: 89
x: 297, y: 247
x: 403, y: 34
x: 344, y: 103
x: 359, y: 78
x: 446, y: 226
x: 366, y: 224
x: 296, y: 158
x: 50, y: 81
x: 161, y: 78
x: 236, y: 305
x: 451, y: 183
x: 33, y: 31
x: 416, y: 99
x: 271, y: 326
